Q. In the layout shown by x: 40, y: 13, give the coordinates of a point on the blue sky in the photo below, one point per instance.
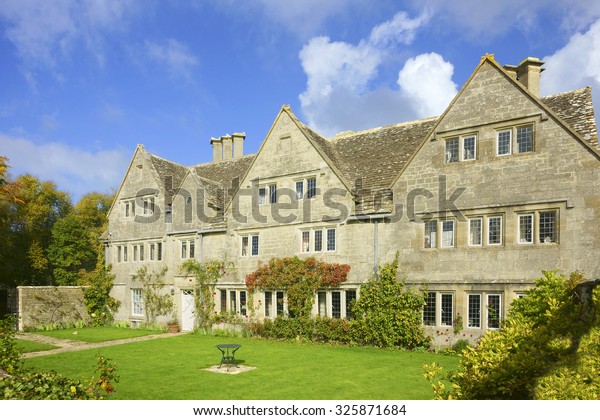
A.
x: 83, y: 82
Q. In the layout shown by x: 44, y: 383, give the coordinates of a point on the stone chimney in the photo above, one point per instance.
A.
x: 227, y: 147
x: 238, y: 144
x: 528, y: 73
x: 217, y: 147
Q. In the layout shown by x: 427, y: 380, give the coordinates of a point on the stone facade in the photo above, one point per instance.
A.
x: 476, y: 202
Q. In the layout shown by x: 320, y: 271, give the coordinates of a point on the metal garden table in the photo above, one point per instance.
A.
x: 228, y: 354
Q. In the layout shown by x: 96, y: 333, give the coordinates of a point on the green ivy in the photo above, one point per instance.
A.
x: 207, y: 274
x: 100, y: 306
x: 156, y: 301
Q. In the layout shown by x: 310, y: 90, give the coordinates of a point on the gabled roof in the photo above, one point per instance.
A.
x: 576, y: 109
x: 369, y: 162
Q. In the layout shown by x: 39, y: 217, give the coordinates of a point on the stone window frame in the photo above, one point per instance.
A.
x: 247, y: 245
x: 455, y: 148
x: 187, y: 248
x: 513, y: 129
x: 319, y: 240
x: 442, y: 314
x: 438, y: 242
x: 137, y: 302
x: 327, y: 299
x: 485, y: 316
x: 538, y: 226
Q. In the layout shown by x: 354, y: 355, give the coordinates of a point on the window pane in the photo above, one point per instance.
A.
x: 118, y: 253
x: 244, y: 246
x: 223, y: 301
x: 152, y: 247
x: 474, y: 311
x: 547, y: 227
x: 447, y: 315
x: 430, y: 234
x: 469, y: 148
x: 451, y: 150
x: 272, y: 193
x: 232, y: 302
x: 279, y: 297
x: 525, y: 139
x: 336, y: 304
x: 192, y: 248
x: 311, y: 184
x: 495, y: 230
x: 322, y: 304
x: 135, y: 253
x: 318, y: 240
x: 159, y: 251
x: 429, y: 309
x: 268, y: 304
x: 330, y: 239
x: 184, y: 249
x: 494, y: 309
x: 137, y: 302
x: 475, y: 231
x: 525, y: 228
x: 350, y: 301
x: 262, y: 194
x: 448, y: 233
x: 504, y: 142
x: 299, y: 190
x: 255, y: 245
x: 243, y: 302
x: 141, y: 252
x: 125, y: 248
x: 305, y: 241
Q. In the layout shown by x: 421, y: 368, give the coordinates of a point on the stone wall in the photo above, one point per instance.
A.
x: 48, y: 304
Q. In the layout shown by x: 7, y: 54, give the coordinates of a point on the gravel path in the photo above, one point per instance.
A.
x: 74, y: 345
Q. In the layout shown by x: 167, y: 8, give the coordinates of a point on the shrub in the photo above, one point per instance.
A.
x: 388, y: 313
x: 18, y: 383
x: 548, y: 348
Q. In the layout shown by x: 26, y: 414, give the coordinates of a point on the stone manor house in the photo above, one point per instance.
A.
x: 476, y: 202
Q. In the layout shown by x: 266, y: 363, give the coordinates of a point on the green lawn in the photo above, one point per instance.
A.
x: 97, y: 334
x: 26, y: 346
x: 171, y: 368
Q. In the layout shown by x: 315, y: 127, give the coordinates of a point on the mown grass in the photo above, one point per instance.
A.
x: 172, y: 368
x: 98, y: 334
x: 26, y: 346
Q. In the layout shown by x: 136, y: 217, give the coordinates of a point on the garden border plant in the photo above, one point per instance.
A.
x: 16, y: 382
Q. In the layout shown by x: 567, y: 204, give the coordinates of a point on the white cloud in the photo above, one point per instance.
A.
x: 175, y: 56
x: 44, y: 30
x: 575, y: 65
x: 74, y: 170
x: 343, y: 91
x: 427, y: 81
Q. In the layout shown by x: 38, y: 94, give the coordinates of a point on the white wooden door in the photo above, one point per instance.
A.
x: 188, y: 311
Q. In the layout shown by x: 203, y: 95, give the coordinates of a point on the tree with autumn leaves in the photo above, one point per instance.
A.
x: 44, y: 239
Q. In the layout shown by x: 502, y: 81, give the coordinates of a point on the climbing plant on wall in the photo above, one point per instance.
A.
x: 299, y: 278
x: 206, y: 274
x: 156, y: 301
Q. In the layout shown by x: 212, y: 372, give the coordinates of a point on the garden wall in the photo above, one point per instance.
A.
x: 50, y: 304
